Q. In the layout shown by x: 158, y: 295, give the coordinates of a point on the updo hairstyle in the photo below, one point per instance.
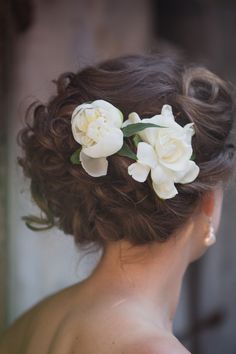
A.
x: 115, y: 207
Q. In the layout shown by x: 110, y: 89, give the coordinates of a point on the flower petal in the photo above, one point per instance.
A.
x: 114, y: 113
x: 110, y: 143
x: 80, y: 108
x: 189, y: 174
x: 146, y: 154
x: 167, y: 112
x: 94, y: 167
x: 138, y: 171
x: 181, y: 156
x: 161, y: 174
x: 149, y: 135
x: 165, y: 190
x: 163, y: 182
x: 189, y: 132
x: 132, y: 119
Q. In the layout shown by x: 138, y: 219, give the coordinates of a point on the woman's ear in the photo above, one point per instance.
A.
x: 208, y: 203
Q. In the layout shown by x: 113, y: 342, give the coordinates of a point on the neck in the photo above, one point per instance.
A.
x: 146, y: 277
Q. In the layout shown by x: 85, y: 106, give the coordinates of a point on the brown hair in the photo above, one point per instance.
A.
x: 115, y: 206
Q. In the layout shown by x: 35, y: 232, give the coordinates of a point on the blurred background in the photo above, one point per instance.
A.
x: 39, y: 39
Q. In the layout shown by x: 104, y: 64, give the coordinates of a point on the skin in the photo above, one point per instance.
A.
x: 126, y: 305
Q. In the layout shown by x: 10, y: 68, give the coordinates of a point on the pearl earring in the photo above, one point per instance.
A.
x: 211, y: 238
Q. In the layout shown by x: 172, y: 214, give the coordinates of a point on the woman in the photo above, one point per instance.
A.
x: 150, y: 195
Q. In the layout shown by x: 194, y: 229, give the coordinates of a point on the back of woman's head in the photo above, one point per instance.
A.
x: 115, y: 206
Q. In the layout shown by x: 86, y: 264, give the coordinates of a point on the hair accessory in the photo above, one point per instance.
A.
x: 211, y: 238
x: 163, y: 146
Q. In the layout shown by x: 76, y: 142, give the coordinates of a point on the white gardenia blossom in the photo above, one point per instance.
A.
x: 96, y: 126
x: 165, y: 152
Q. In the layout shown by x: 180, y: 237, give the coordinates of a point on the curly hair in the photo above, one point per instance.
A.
x: 115, y: 206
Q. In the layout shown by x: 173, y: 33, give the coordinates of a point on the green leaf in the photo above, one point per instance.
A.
x: 136, y: 139
x: 193, y: 156
x: 132, y: 129
x: 75, y: 159
x: 127, y: 152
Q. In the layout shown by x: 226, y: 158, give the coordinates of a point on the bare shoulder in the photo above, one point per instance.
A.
x: 155, y: 345
x: 44, y: 315
x: 18, y: 329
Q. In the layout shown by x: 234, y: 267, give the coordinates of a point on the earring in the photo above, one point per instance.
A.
x: 211, y: 238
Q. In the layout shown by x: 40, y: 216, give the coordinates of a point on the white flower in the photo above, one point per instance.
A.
x: 96, y: 126
x: 165, y: 152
